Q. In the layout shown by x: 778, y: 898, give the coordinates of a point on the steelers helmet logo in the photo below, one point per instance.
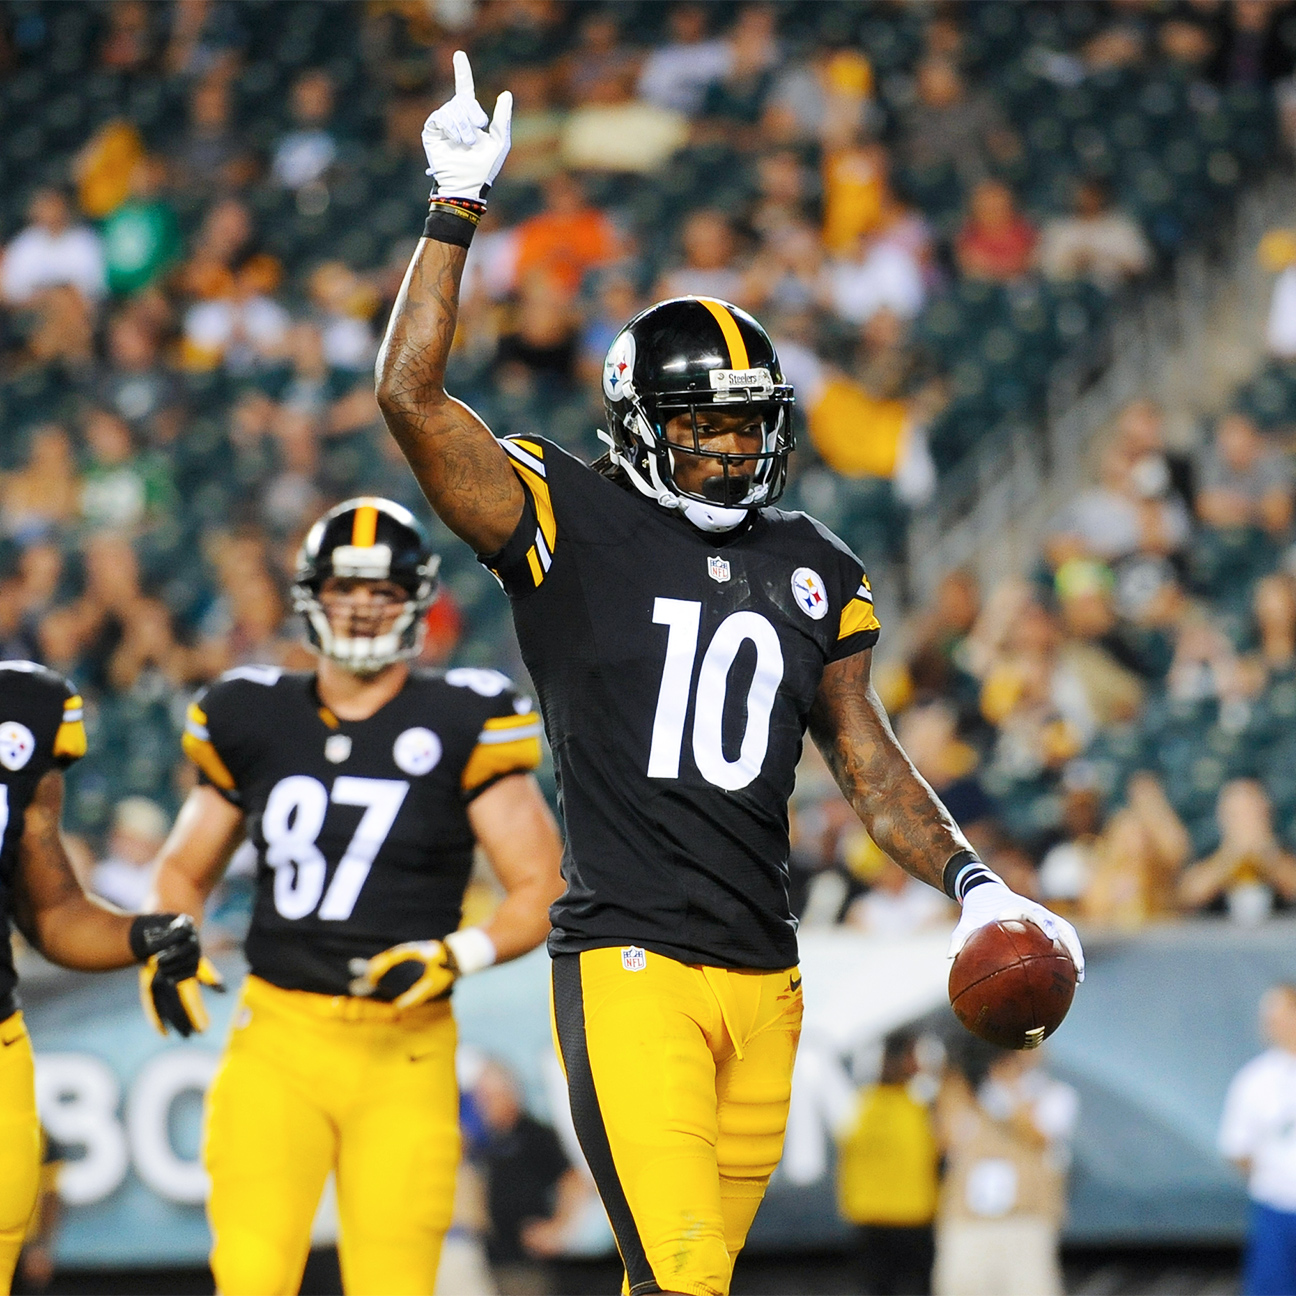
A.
x: 17, y: 745
x: 809, y: 592
x: 618, y: 368
x: 417, y: 751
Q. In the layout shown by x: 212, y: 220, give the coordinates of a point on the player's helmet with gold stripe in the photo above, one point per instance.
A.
x: 680, y: 356
x: 367, y: 539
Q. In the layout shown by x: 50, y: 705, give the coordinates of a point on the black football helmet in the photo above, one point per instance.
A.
x: 686, y: 354
x: 367, y: 539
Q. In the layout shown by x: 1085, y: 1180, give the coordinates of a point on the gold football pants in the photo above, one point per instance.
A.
x: 680, y: 1078
x: 20, y: 1144
x: 312, y: 1083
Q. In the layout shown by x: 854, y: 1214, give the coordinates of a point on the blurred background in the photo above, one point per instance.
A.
x: 1032, y: 270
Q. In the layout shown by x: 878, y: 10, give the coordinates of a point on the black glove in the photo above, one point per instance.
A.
x: 167, y: 945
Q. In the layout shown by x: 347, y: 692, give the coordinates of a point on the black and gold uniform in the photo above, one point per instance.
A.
x: 363, y: 842
x: 41, y: 729
x: 676, y: 671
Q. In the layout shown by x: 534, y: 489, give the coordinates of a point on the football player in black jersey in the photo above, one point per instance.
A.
x: 41, y: 734
x: 364, y: 788
x: 683, y: 634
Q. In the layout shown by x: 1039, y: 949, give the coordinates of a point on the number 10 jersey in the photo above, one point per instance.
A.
x: 675, y: 671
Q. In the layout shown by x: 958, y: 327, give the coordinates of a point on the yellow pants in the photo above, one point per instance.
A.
x: 680, y: 1078
x: 20, y: 1143
x: 312, y: 1083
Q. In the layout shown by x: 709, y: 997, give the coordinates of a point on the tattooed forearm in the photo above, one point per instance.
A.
x: 458, y: 463
x: 897, y: 806
x: 49, y: 906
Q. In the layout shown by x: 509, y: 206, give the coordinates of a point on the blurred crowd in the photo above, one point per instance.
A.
x: 208, y: 208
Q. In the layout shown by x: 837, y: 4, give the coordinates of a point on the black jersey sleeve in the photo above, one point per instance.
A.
x: 857, y: 626
x: 217, y: 733
x: 51, y: 732
x: 524, y: 562
x: 508, y: 741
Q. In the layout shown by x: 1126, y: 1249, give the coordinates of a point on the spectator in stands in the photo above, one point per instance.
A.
x: 125, y: 875
x: 1256, y: 1135
x: 676, y: 75
x: 1130, y: 873
x: 103, y: 168
x: 738, y: 98
x: 1251, y: 872
x: 42, y: 496
x: 1274, y: 603
x: 212, y: 154
x: 881, y: 275
x: 52, y: 252
x: 996, y: 241
x: 533, y: 1193
x: 1006, y: 1142
x: 599, y: 56
x: 1097, y: 242
x: 896, y: 905
x: 306, y: 152
x: 141, y: 237
x: 344, y: 305
x: 1130, y: 511
x: 121, y: 488
x: 929, y: 734
x: 1096, y: 657
x: 542, y: 338
x: 857, y: 198
x: 950, y: 126
x: 827, y: 95
x: 710, y: 261
x: 537, y: 125
x: 1277, y: 253
x: 1244, y: 482
x: 135, y: 383
x: 611, y: 130
x: 130, y: 43
x: 887, y: 1177
x: 565, y: 240
x: 1254, y: 51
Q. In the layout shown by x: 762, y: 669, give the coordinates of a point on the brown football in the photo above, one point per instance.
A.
x: 1011, y: 984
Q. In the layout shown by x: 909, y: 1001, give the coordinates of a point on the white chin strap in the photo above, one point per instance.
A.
x: 365, y: 654
x: 714, y: 518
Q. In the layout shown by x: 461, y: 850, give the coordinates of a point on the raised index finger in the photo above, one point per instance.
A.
x: 463, y: 75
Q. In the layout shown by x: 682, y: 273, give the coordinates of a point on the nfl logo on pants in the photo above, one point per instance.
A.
x: 633, y: 959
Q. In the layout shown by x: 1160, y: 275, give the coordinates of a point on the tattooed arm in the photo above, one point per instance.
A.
x: 50, y: 908
x: 901, y: 812
x: 458, y: 463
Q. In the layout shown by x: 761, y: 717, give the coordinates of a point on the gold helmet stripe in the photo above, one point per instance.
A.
x: 364, y: 528
x: 729, y: 327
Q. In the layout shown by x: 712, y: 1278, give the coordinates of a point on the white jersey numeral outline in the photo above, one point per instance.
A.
x: 291, y: 823
x: 683, y: 617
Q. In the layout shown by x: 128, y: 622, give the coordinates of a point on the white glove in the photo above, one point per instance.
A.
x: 994, y: 902
x: 464, y: 154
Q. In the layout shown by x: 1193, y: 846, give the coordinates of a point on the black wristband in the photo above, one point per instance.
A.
x: 150, y: 933
x: 962, y: 872
x: 453, y: 220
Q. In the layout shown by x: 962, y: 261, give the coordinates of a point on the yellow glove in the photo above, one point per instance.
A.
x: 173, y: 968
x: 440, y: 971
x: 177, y: 1003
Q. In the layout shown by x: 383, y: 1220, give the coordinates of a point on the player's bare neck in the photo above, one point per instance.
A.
x: 357, y: 697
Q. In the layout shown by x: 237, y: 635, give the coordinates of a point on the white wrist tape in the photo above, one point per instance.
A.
x: 472, y: 950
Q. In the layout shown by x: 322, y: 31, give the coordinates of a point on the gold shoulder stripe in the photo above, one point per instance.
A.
x: 505, y: 728
x: 857, y: 615
x: 732, y: 336
x: 70, y: 739
x: 533, y: 446
x: 364, y: 527
x: 196, y: 743
x: 493, y: 760
x: 533, y: 561
x: 539, y: 489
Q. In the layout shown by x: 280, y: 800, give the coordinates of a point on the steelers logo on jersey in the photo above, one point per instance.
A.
x: 416, y: 751
x: 17, y: 745
x: 810, y: 593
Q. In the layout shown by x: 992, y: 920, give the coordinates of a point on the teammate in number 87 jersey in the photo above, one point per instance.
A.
x: 361, y: 830
x: 364, y: 788
x: 691, y: 661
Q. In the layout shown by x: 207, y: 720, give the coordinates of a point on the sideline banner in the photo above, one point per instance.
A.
x: 1158, y: 1029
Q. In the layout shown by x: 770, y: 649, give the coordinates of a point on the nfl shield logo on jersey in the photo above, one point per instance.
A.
x: 337, y: 747
x: 718, y: 569
x: 633, y: 959
x: 809, y: 592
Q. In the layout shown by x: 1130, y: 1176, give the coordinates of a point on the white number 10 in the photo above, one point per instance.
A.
x: 684, y: 619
